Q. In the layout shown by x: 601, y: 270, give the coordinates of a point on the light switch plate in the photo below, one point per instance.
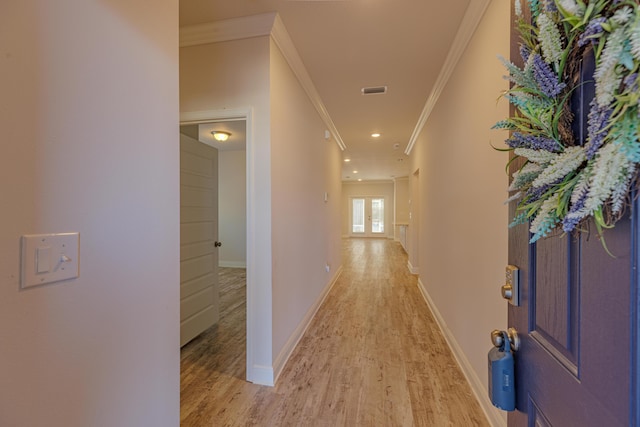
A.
x: 49, y: 258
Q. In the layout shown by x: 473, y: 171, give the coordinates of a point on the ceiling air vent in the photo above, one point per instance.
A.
x: 375, y: 90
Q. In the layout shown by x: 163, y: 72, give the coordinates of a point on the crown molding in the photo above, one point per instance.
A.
x: 285, y: 44
x: 467, y: 28
x: 227, y: 30
x: 267, y: 24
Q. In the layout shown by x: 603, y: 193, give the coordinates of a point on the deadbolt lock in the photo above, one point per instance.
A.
x: 511, y: 289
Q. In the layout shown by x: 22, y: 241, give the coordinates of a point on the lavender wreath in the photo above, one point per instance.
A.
x: 564, y: 182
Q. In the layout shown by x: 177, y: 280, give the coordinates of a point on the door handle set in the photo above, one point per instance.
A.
x: 497, y: 338
x: 501, y: 370
x: 511, y: 292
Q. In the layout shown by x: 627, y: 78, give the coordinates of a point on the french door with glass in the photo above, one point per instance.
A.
x: 367, y: 216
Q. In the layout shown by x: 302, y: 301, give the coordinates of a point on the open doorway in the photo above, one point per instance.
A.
x: 367, y: 216
x: 222, y: 347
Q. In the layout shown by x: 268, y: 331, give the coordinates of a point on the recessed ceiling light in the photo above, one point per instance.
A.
x: 359, y: 179
x: 355, y: 171
x: 375, y: 135
x: 347, y: 160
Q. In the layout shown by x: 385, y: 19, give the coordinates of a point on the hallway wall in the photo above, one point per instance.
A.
x: 306, y: 233
x: 401, y: 203
x: 241, y: 81
x: 463, y: 221
x: 294, y: 165
x: 232, y: 208
x: 90, y: 144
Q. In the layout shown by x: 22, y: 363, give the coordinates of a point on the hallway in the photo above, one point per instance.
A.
x: 372, y: 356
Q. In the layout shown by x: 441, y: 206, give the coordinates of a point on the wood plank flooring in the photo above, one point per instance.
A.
x: 373, y: 356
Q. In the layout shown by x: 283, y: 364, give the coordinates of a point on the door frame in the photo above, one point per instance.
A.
x: 245, y: 114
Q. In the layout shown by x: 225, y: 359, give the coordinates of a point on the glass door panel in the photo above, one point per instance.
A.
x: 377, y: 216
x: 357, y: 217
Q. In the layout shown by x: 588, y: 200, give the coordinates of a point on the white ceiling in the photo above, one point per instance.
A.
x: 349, y: 44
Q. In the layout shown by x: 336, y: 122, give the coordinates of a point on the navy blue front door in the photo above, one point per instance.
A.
x: 574, y: 367
x: 578, y: 318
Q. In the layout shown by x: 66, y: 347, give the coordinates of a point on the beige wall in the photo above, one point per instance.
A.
x: 292, y: 164
x: 306, y: 234
x: 242, y: 81
x: 90, y: 144
x: 462, y: 249
x: 232, y: 208
x: 357, y: 189
x: 401, y: 203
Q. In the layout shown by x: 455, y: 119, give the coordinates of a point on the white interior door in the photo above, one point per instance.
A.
x: 367, y: 216
x: 199, y: 293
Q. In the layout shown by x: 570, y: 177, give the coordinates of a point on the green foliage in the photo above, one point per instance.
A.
x: 562, y: 185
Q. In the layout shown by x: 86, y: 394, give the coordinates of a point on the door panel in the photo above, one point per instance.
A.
x: 584, y: 381
x: 199, y: 295
x: 554, y: 299
x: 357, y: 216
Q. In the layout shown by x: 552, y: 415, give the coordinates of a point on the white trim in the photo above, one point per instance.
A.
x: 295, y: 337
x: 412, y: 269
x: 467, y: 27
x: 255, y: 373
x: 257, y: 26
x: 215, y: 115
x: 262, y: 375
x: 227, y: 30
x: 494, y: 415
x: 367, y: 182
x: 232, y: 264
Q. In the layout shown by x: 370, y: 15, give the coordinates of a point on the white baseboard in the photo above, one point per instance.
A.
x: 262, y: 375
x: 233, y: 264
x: 412, y: 269
x: 494, y: 415
x: 297, y: 334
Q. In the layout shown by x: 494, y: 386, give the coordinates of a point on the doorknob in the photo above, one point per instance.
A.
x: 514, y: 340
x: 217, y: 244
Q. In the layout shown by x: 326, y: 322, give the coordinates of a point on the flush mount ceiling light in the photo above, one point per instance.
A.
x: 220, y: 135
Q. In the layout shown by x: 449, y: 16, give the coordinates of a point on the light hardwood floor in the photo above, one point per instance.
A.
x: 372, y: 356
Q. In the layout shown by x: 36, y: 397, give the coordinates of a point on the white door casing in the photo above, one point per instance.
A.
x: 258, y: 244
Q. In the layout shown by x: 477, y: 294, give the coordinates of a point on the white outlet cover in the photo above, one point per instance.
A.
x: 49, y: 258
